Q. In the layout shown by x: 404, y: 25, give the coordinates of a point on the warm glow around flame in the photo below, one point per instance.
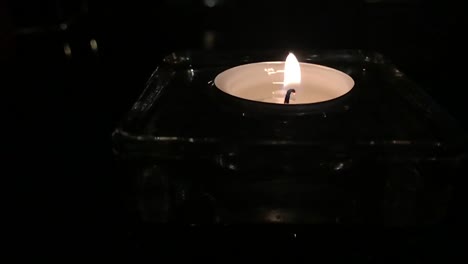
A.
x: 292, y: 72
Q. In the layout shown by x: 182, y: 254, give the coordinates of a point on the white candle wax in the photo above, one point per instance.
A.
x: 265, y: 82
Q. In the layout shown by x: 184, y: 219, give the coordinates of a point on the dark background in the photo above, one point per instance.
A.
x: 73, y: 68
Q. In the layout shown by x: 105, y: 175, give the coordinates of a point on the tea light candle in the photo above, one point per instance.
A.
x: 288, y: 82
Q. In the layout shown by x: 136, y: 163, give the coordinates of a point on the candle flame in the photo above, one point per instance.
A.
x: 292, y: 72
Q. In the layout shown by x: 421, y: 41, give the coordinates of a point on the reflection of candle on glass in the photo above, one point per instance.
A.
x: 269, y: 82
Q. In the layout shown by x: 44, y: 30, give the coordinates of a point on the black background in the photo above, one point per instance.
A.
x: 69, y: 195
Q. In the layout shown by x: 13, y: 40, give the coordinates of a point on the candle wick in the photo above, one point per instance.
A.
x: 288, y: 95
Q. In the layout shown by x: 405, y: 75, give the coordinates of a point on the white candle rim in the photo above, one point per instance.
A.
x: 344, y: 76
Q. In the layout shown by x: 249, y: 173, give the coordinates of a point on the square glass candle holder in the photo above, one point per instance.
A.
x: 385, y: 153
